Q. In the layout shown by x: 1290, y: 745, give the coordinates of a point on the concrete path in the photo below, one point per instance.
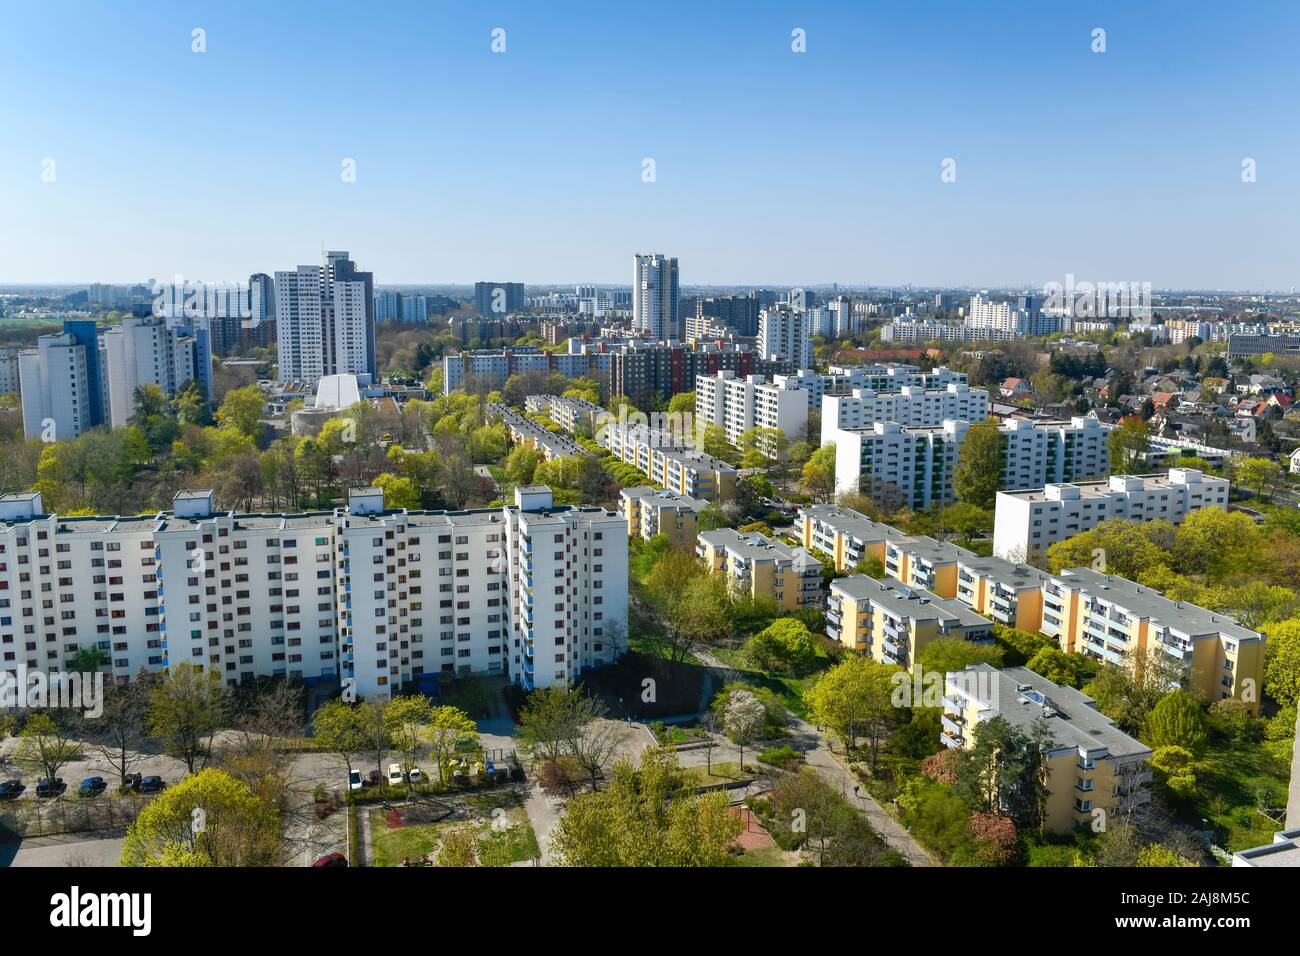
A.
x: 817, y: 753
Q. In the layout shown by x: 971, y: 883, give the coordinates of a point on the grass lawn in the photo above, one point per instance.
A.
x: 477, y: 696
x: 1229, y: 776
x: 504, y: 834
x: 789, y: 689
x: 768, y: 856
x: 723, y: 772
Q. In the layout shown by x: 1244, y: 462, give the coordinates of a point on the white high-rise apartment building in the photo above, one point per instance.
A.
x: 785, y: 333
x: 911, y: 406
x: 145, y: 351
x: 1009, y: 320
x: 55, y: 389
x: 739, y: 404
x: 655, y: 306
x: 919, y: 461
x: 1027, y: 523
x: 381, y: 596
x: 325, y: 320
x: 843, y: 379
x: 9, y: 374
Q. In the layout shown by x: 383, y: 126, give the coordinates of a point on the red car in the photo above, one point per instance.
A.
x: 332, y: 859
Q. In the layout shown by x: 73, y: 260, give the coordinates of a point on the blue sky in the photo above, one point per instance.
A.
x: 771, y: 167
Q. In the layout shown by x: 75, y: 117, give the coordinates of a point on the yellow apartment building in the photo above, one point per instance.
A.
x: 755, y: 565
x: 892, y: 623
x: 1112, y: 619
x: 650, y: 511
x: 1095, y: 770
x: 844, y: 535
x: 1007, y: 592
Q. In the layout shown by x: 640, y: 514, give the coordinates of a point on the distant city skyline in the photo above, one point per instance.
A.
x: 138, y: 157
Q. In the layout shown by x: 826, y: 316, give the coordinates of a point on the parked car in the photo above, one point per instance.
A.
x: 331, y: 859
x: 92, y: 787
x: 11, y: 789
x: 132, y: 783
x: 373, y: 780
x: 51, y: 788
x: 394, y: 774
x: 415, y: 776
x: 354, y: 780
x: 152, y: 785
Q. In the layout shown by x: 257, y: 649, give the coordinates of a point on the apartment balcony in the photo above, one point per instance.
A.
x: 952, y: 702
x: 893, y: 646
x: 833, y: 633
x: 949, y: 739
x: 954, y: 724
x: 833, y: 614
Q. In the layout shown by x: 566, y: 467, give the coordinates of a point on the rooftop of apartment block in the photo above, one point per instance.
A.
x: 1143, y: 602
x: 1175, y: 477
x: 753, y: 546
x: 1023, y: 697
x: 902, y: 601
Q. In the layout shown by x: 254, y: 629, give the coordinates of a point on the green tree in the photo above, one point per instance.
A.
x: 450, y: 728
x: 186, y: 707
x: 978, y: 473
x: 338, y: 728
x: 398, y: 492
x: 241, y: 409
x: 785, y: 645
x: 1282, y: 662
x: 855, y: 698
x: 1127, y: 445
x: 819, y: 474
x: 208, y: 819
x: 408, y: 718
x: 967, y: 520
x: 1176, y: 720
x: 647, y: 816
x: 947, y: 654
x: 48, y: 743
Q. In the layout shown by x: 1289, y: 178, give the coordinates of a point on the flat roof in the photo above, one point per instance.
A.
x: 904, y: 601
x: 753, y: 546
x: 1141, y: 601
x: 1023, y: 697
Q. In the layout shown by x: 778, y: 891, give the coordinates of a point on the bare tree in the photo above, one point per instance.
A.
x: 118, y: 734
x: 595, y: 745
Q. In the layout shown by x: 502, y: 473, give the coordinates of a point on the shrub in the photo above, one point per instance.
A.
x: 787, y: 758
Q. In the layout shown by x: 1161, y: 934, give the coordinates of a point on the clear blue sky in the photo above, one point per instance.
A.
x: 772, y: 167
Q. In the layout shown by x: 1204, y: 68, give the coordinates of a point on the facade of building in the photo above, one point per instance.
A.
x: 892, y: 624
x: 577, y: 416
x: 325, y: 320
x: 656, y: 310
x: 919, y: 461
x: 665, y: 462
x: 1093, y: 768
x: 56, y: 391
x: 147, y: 351
x: 786, y: 334
x: 493, y: 367
x: 910, y: 406
x: 319, y: 596
x: 1027, y: 523
x: 736, y: 312
x: 650, y: 512
x: 844, y: 379
x: 10, y: 378
x: 1114, y: 620
x: 498, y: 299
x: 739, y: 404
x: 757, y: 566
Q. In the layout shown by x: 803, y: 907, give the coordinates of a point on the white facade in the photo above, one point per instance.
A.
x: 920, y: 461
x: 380, y: 596
x: 911, y: 405
x: 843, y: 379
x: 1027, y: 523
x: 785, y: 333
x: 739, y: 404
x: 655, y: 307
x: 9, y: 374
x: 325, y: 320
x: 55, y: 390
x: 144, y: 351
